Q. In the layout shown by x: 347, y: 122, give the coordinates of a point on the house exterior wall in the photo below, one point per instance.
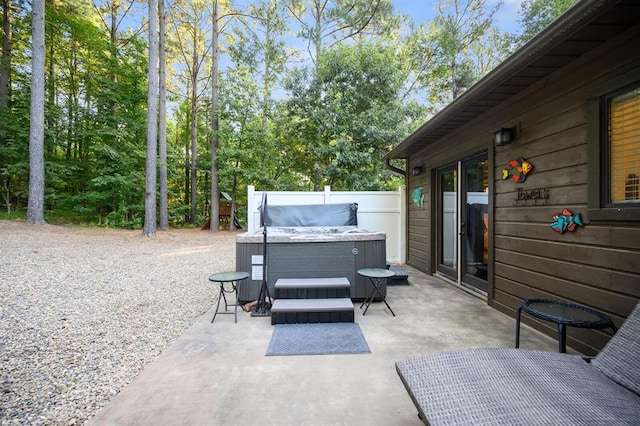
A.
x: 597, y: 265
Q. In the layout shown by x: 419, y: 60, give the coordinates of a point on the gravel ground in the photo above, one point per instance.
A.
x: 84, y: 310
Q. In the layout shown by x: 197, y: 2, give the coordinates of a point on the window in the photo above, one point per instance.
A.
x: 623, y: 139
x: 614, y: 151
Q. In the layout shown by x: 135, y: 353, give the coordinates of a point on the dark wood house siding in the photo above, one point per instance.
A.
x: 421, y: 240
x: 599, y: 264
x: 419, y: 222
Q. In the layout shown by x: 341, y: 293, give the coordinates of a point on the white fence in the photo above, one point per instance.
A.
x: 450, y: 225
x: 377, y: 211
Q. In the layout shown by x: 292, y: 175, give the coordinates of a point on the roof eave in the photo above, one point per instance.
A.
x: 558, y: 31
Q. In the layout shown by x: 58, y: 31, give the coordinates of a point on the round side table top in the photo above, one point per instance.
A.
x: 228, y: 276
x: 563, y: 312
x: 376, y: 273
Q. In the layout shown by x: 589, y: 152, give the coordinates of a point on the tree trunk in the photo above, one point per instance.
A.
x: 162, y: 130
x: 5, y: 78
x: 152, y: 124
x: 215, y: 192
x: 194, y: 129
x: 35, y: 205
x: 5, y: 59
x: 266, y: 91
x: 187, y: 161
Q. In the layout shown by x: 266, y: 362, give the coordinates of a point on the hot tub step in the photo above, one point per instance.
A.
x: 294, y: 311
x: 312, y: 288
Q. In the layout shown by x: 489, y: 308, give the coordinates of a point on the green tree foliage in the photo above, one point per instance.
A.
x: 94, y: 115
x: 257, y: 49
x: 192, y: 37
x: 106, y: 155
x: 14, y: 107
x: 324, y: 23
x: 286, y: 119
x: 344, y: 116
x: 443, y: 54
x: 537, y: 14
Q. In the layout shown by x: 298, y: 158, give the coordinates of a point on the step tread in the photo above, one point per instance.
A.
x: 401, y: 274
x: 288, y: 283
x: 312, y: 305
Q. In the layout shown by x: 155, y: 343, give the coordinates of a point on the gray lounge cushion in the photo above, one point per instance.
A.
x: 529, y: 387
x: 620, y: 358
x: 514, y: 387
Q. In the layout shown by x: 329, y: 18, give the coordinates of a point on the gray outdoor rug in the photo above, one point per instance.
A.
x: 317, y: 339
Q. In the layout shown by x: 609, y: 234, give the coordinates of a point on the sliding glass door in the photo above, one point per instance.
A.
x: 448, y: 222
x: 463, y: 222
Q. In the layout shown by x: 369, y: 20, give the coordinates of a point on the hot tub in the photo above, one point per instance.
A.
x: 309, y: 252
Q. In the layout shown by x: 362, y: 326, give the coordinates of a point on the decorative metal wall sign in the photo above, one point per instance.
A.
x: 566, y: 221
x: 418, y: 197
x: 525, y: 197
x: 518, y: 170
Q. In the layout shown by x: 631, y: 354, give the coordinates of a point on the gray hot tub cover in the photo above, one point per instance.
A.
x: 311, y: 215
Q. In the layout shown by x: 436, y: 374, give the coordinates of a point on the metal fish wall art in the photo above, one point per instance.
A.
x: 518, y: 170
x: 566, y: 221
x: 418, y: 197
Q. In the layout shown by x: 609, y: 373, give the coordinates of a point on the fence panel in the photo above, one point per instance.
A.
x: 377, y: 211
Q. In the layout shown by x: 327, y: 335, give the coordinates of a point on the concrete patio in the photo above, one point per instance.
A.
x: 218, y: 374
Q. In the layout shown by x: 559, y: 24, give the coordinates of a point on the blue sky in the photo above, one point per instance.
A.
x: 424, y: 10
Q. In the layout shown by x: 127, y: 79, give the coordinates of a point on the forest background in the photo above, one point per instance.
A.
x: 279, y: 94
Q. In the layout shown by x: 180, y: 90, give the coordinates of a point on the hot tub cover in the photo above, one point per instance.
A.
x: 311, y: 215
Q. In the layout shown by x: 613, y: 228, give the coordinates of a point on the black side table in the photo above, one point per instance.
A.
x: 228, y: 277
x: 377, y: 277
x: 564, y: 314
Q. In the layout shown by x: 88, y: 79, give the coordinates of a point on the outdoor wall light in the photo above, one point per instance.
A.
x: 503, y: 136
x: 416, y: 171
